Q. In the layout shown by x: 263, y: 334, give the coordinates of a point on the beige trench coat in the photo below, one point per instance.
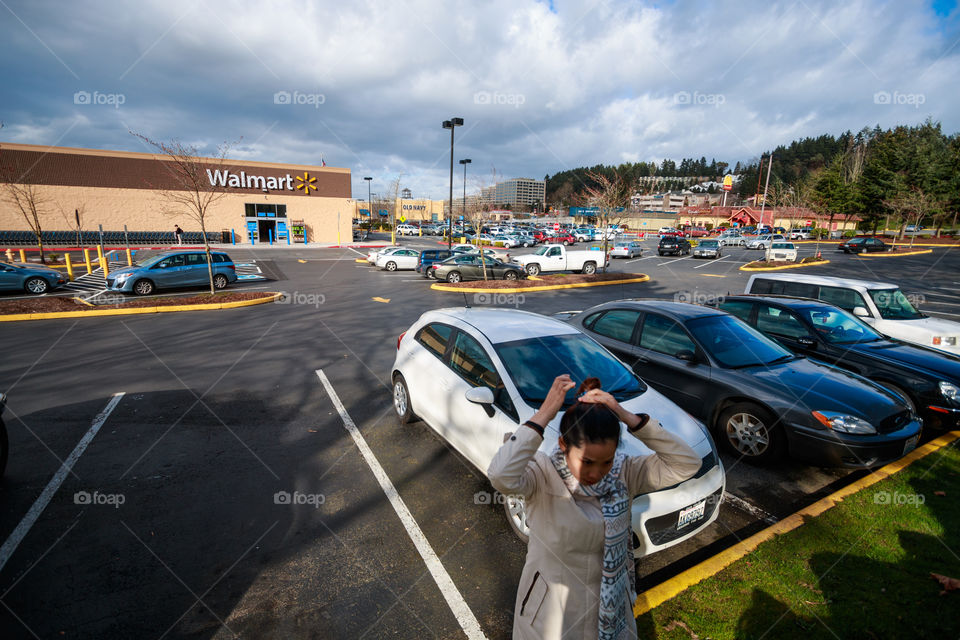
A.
x: 559, y: 590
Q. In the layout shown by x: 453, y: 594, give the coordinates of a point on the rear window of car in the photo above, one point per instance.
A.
x: 784, y: 288
x: 434, y: 338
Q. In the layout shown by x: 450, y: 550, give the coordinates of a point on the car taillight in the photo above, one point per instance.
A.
x: 435, y: 266
x: 232, y: 267
x: 399, y: 339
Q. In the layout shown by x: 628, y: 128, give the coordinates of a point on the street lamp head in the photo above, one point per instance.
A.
x: 367, y: 178
x: 465, y: 161
x: 452, y: 122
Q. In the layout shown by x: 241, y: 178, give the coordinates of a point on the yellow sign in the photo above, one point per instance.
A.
x: 728, y: 183
x: 306, y: 183
x: 403, y: 219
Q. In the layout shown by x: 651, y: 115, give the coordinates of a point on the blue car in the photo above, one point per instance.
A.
x: 173, y: 269
x: 29, y: 278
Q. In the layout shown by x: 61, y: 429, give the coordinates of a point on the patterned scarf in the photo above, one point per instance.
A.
x: 617, y: 580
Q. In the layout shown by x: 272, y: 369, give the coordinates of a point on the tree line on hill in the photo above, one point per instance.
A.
x: 909, y: 174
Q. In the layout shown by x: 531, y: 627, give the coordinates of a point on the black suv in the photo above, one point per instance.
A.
x: 429, y: 257
x: 674, y: 246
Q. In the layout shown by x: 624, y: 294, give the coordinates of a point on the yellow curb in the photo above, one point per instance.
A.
x: 916, y: 244
x: 788, y: 266
x: 576, y: 285
x: 655, y: 596
x: 712, y: 275
x: 140, y: 310
x: 893, y: 255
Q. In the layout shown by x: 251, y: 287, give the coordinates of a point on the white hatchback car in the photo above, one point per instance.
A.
x: 373, y: 254
x: 475, y: 375
x: 399, y: 259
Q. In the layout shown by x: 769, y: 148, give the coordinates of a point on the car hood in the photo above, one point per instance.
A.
x: 122, y: 270
x: 919, y: 330
x: 821, y: 387
x: 946, y: 365
x: 37, y: 268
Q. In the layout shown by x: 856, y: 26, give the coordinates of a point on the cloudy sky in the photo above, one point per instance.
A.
x: 542, y: 86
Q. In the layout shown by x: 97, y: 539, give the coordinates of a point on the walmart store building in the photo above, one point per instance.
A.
x: 263, y: 202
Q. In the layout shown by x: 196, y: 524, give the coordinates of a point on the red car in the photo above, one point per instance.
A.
x: 556, y: 237
x: 696, y: 232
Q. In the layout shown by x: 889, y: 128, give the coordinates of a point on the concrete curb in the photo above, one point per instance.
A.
x: 576, y: 285
x: 271, y: 297
x: 788, y: 266
x: 655, y: 596
x: 893, y: 255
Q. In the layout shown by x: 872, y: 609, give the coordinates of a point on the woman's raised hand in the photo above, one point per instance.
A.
x: 562, y: 384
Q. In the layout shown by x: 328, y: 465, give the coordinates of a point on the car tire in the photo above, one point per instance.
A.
x: 590, y: 268
x: 533, y: 269
x: 565, y: 243
x: 220, y: 281
x: 454, y: 277
x: 515, y: 509
x: 510, y: 275
x: 36, y: 285
x: 401, y: 400
x: 900, y: 392
x: 751, y: 432
x: 390, y: 266
x: 143, y: 287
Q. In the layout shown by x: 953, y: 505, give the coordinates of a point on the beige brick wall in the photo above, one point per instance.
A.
x: 144, y: 210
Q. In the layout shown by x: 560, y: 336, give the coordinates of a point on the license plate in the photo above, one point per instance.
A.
x: 910, y: 444
x: 691, y: 514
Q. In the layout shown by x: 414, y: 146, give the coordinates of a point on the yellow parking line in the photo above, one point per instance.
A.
x: 576, y: 285
x: 712, y: 275
x: 655, y: 596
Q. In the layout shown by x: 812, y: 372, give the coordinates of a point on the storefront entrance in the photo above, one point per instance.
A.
x: 266, y: 223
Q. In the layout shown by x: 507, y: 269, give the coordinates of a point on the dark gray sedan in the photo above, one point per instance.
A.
x: 30, y: 278
x: 469, y: 267
x: 759, y: 399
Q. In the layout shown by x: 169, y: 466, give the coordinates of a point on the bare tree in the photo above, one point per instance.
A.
x: 31, y: 203
x: 610, y: 195
x: 393, y: 192
x: 192, y: 193
x: 910, y: 206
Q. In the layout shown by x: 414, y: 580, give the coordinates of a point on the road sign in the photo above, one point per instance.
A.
x: 556, y: 226
x: 403, y: 218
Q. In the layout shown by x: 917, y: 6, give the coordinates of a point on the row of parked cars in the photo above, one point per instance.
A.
x: 786, y: 369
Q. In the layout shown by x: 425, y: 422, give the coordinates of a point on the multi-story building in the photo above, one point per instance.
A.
x: 525, y: 192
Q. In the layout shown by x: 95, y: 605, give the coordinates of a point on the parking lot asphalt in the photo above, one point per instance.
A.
x: 223, y: 495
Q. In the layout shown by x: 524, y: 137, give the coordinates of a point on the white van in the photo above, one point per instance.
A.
x: 880, y: 304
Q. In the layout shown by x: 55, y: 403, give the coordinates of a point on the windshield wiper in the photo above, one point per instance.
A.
x: 785, y: 358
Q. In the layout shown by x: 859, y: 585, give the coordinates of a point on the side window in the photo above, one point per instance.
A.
x: 779, y: 322
x: 554, y: 252
x: 843, y: 298
x: 172, y: 261
x: 196, y: 259
x: 434, y: 338
x: 664, y: 336
x: 761, y: 286
x: 738, y: 308
x: 617, y: 324
x: 472, y: 363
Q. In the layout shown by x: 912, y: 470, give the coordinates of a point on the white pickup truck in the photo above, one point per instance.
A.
x: 556, y: 257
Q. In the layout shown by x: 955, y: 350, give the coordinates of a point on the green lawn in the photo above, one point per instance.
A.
x: 860, y: 570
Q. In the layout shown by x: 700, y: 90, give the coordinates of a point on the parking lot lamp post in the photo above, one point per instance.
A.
x: 369, y: 202
x: 451, y: 124
x: 464, y: 162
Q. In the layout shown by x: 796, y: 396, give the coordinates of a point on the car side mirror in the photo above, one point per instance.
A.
x: 479, y: 395
x: 861, y: 312
x: 807, y: 341
x: 686, y: 355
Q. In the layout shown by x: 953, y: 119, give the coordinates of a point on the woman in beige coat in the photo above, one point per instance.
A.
x: 577, y: 581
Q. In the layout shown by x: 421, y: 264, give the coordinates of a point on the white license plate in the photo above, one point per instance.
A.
x: 910, y: 444
x: 691, y: 514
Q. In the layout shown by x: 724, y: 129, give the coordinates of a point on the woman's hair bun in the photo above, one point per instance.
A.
x: 589, y: 384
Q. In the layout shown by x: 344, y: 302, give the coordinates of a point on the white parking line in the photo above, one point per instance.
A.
x: 743, y: 505
x: 639, y: 259
x: 713, y: 261
x: 468, y: 622
x: 41, y: 503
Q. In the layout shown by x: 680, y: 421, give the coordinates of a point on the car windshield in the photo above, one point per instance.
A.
x: 533, y: 364
x: 152, y: 260
x: 734, y: 344
x: 542, y: 250
x: 893, y: 305
x: 837, y: 326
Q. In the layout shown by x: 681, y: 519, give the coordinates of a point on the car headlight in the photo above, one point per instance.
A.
x: 844, y: 423
x: 950, y: 391
x: 123, y: 276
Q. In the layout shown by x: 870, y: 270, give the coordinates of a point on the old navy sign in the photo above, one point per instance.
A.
x: 414, y: 207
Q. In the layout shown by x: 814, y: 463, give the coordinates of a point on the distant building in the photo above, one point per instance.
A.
x: 521, y: 192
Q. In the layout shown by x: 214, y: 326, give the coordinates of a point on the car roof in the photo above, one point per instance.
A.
x: 503, y: 325
x: 827, y: 280
x: 787, y: 301
x: 677, y: 310
x: 173, y: 252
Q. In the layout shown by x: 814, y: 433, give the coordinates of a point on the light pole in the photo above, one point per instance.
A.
x: 450, y: 124
x: 369, y: 201
x: 464, y: 162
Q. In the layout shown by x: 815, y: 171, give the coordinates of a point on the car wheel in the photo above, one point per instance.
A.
x: 590, y: 268
x: 454, y: 277
x: 751, y: 432
x: 533, y: 269
x: 220, y: 281
x: 510, y: 275
x: 515, y: 509
x: 565, y: 243
x: 900, y: 392
x: 143, y: 287
x: 401, y: 400
x: 36, y: 285
x: 391, y: 266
